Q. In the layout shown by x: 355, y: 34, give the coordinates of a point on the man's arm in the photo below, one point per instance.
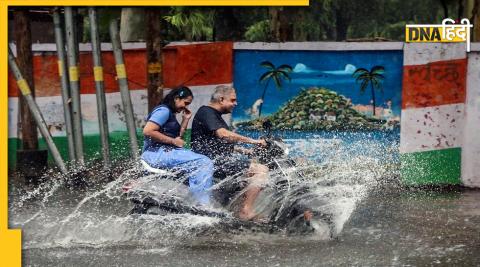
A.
x: 234, y: 137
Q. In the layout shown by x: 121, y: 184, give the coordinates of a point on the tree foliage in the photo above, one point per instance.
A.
x: 195, y: 23
x: 323, y: 20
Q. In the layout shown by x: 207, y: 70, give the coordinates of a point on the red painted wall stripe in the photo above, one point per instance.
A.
x: 435, y: 83
x: 47, y: 81
x: 198, y: 64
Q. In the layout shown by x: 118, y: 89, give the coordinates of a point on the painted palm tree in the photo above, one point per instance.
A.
x: 276, y: 74
x: 374, y: 77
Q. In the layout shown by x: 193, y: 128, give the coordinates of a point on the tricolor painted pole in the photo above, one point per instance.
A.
x: 72, y: 51
x: 62, y: 72
x: 123, y: 84
x: 37, y: 115
x: 98, y: 75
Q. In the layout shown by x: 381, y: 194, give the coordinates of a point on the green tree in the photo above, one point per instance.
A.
x: 258, y: 31
x: 276, y: 74
x: 195, y: 23
x: 374, y: 77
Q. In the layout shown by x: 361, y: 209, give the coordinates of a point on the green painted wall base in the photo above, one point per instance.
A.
x: 119, y: 146
x: 436, y: 167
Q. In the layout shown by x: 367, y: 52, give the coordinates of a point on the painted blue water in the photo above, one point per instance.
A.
x: 380, y: 145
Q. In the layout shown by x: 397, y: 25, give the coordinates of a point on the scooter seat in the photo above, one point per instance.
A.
x: 154, y: 170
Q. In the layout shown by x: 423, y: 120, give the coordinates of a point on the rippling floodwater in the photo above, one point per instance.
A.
x: 378, y: 222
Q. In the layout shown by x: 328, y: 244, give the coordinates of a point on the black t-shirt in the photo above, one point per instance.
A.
x: 204, y: 141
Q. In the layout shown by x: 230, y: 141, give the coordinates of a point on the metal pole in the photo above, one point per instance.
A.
x: 72, y: 52
x: 123, y: 84
x: 37, y: 115
x: 62, y: 72
x: 98, y: 75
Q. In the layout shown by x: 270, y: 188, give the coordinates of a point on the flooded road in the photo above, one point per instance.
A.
x: 386, y: 229
x: 377, y: 222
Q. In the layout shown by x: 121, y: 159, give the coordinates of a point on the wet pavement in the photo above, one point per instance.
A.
x: 390, y: 227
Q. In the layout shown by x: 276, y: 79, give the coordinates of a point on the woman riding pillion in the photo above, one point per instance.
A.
x: 163, y: 143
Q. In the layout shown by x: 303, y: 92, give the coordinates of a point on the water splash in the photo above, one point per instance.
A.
x: 340, y: 172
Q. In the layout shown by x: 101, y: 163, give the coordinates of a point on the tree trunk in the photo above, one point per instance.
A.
x: 226, y: 25
x: 286, y: 18
x: 23, y: 40
x: 79, y: 28
x: 281, y: 24
x: 461, y: 8
x: 154, y: 56
x: 476, y: 29
x: 299, y: 32
x: 274, y: 23
x: 445, y: 8
x: 131, y: 22
x: 341, y: 25
x: 475, y: 19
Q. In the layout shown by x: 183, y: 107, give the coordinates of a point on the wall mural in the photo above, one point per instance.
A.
x: 318, y: 90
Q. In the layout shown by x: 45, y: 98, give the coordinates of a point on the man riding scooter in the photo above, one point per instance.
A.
x: 212, y: 137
